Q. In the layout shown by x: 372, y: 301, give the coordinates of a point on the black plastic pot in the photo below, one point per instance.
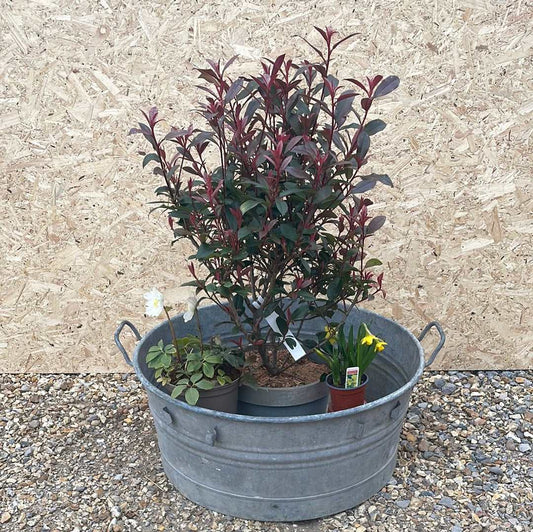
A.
x: 221, y: 398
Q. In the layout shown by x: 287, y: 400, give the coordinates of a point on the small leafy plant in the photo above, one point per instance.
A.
x: 187, y: 364
x: 270, y: 192
x: 340, y: 351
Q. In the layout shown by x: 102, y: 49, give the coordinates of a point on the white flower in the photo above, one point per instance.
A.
x: 191, y: 308
x: 154, y: 303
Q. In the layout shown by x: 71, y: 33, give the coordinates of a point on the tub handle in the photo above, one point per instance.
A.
x: 211, y: 436
x: 396, y: 411
x: 119, y: 343
x: 359, y: 430
x: 439, y: 345
x: 167, y: 416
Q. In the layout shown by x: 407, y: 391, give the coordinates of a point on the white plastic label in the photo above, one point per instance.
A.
x: 352, y: 377
x: 295, y: 348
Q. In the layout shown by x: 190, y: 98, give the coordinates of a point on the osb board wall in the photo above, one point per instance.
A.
x: 79, y: 249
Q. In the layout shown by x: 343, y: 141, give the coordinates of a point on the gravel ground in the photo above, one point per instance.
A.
x: 79, y: 453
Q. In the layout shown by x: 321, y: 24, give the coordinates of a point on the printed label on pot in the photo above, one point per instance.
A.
x: 352, y: 377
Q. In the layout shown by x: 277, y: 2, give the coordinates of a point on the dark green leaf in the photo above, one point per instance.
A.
x: 204, y: 385
x: 192, y: 395
x: 209, y: 370
x: 253, y: 106
x: 323, y: 194
x: 297, y: 172
x: 162, y: 191
x: 382, y: 178
x: 373, y: 262
x: 233, y: 90
x: 375, y: 224
x: 150, y: 157
x: 334, y: 289
x: 243, y: 232
x: 281, y: 322
x: 386, y: 86
x: 289, y: 232
x: 196, y: 377
x: 204, y: 252
x: 249, y: 204
x: 363, y: 143
x: 177, y: 390
x: 363, y: 186
x: 343, y: 107
x: 300, y: 313
x: 375, y: 126
x: 282, y: 206
x: 152, y: 355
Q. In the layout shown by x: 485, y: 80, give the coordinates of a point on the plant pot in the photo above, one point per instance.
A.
x: 285, y: 468
x: 221, y: 398
x: 344, y: 398
x: 302, y: 400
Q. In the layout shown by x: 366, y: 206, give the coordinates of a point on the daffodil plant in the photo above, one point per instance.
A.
x: 189, y: 365
x: 340, y: 351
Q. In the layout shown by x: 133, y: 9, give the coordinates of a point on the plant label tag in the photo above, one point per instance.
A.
x: 352, y: 377
x: 289, y: 340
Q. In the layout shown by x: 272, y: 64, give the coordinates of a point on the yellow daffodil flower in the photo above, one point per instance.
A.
x: 369, y: 338
x: 380, y: 345
x: 331, y: 334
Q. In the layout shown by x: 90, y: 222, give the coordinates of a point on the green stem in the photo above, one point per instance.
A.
x: 173, y: 334
x: 199, y: 331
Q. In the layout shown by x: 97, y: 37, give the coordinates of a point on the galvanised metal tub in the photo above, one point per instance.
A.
x: 286, y: 468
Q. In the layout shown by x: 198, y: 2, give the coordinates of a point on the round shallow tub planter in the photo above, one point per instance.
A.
x: 286, y: 468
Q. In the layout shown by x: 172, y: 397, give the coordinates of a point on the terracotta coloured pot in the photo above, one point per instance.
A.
x: 344, y: 398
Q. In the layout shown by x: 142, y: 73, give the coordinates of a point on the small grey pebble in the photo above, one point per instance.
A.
x: 34, y: 423
x: 447, y: 501
x: 496, y: 470
x: 439, y: 383
x: 456, y: 528
x: 403, y: 503
x: 524, y: 447
x: 510, y: 445
x: 448, y: 389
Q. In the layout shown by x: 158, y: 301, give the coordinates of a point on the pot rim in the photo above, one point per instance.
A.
x: 290, y: 419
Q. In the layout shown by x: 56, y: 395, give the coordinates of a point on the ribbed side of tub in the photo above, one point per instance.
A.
x: 282, y: 472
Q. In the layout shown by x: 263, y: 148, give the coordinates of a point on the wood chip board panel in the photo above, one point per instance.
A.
x: 79, y: 249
